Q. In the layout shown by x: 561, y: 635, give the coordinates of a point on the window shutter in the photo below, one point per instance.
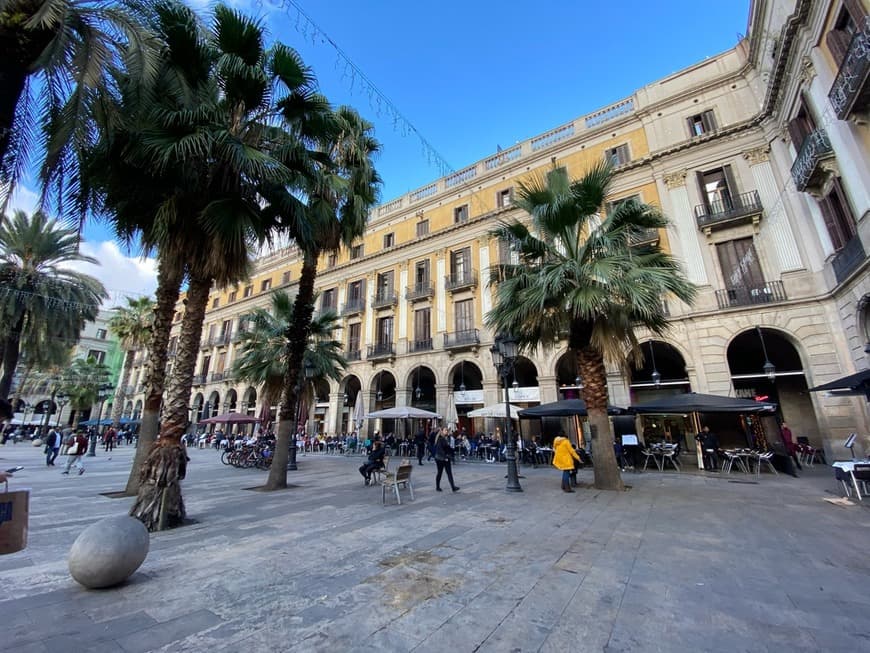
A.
x: 838, y: 43
x: 362, y: 290
x: 733, y: 190
x: 690, y: 123
x: 796, y: 132
x: 703, y: 188
x: 856, y: 10
x: 709, y: 121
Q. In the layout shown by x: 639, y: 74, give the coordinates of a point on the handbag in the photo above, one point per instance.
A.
x: 73, y: 449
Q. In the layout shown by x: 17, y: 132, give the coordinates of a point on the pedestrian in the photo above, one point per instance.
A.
x: 789, y: 443
x: 109, y: 438
x: 52, y: 447
x: 563, y: 459
x: 76, y: 452
x: 420, y: 441
x: 374, y: 461
x: 443, y: 453
x: 709, y: 448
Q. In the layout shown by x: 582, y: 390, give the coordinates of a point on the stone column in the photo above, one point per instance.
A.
x: 685, y: 228
x: 774, y: 225
x: 403, y: 304
x: 485, y: 296
x: 369, y: 316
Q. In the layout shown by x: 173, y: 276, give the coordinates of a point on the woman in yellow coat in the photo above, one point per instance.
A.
x: 563, y: 458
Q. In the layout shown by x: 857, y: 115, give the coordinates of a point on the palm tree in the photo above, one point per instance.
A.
x: 41, y: 299
x: 67, y: 46
x: 82, y: 382
x: 580, y: 275
x: 132, y: 326
x: 263, y: 352
x: 342, y: 189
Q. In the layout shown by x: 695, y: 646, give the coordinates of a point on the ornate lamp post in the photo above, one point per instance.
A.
x: 62, y: 401
x: 308, y: 373
x: 102, y: 394
x: 504, y: 357
x: 768, y: 368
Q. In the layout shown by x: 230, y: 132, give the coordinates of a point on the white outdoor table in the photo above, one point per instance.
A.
x: 848, y: 466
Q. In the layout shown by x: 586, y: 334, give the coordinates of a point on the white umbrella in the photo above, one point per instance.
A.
x: 452, y: 418
x: 495, y: 410
x: 359, y: 411
x: 403, y: 412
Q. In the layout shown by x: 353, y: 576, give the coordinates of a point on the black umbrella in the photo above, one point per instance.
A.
x: 854, y: 384
x: 692, y: 402
x: 564, y: 408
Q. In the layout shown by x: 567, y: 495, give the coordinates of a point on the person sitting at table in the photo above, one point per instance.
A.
x: 563, y: 459
x: 374, y: 461
x: 709, y: 448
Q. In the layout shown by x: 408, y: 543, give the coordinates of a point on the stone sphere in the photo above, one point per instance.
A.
x: 108, y: 552
x: 37, y: 442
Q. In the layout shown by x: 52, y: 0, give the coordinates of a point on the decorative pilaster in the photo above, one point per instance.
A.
x: 403, y: 303
x: 684, y: 226
x: 369, y: 314
x: 440, y: 292
x: 775, y: 227
x: 483, y: 288
x: 675, y: 179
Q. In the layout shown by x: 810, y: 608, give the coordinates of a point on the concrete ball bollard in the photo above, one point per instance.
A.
x: 108, y: 552
x: 37, y: 442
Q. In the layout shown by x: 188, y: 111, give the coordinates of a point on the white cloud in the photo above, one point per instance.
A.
x: 23, y: 199
x: 122, y: 275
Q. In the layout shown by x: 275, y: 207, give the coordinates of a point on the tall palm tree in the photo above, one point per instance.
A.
x: 341, y: 190
x: 131, y: 324
x: 82, y: 382
x: 41, y: 299
x: 67, y: 46
x: 580, y: 275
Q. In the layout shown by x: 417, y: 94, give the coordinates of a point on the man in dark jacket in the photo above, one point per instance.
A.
x: 375, y: 461
x: 709, y: 448
x: 420, y: 441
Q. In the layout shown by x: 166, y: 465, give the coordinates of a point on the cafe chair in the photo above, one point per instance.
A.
x: 401, y: 478
x: 378, y: 475
x: 647, y: 454
x: 860, y: 474
x: 765, y: 459
x: 671, y: 454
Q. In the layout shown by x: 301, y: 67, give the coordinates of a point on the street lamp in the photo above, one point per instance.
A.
x: 768, y: 368
x: 656, y: 377
x: 504, y: 357
x: 308, y: 373
x: 62, y: 401
x: 102, y: 394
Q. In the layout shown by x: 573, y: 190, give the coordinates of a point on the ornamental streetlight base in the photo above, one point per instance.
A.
x: 291, y: 462
x: 92, y: 446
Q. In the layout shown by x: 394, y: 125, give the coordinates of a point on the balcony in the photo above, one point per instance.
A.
x: 353, y: 354
x: 221, y: 339
x: 420, y: 345
x: 353, y: 307
x: 850, y: 92
x: 237, y: 336
x: 848, y: 259
x: 768, y: 293
x: 462, y: 339
x: 646, y: 237
x: 460, y: 281
x: 199, y: 379
x: 419, y: 292
x: 381, y: 350
x: 216, y: 377
x: 815, y: 164
x: 385, y: 299
x: 721, y: 214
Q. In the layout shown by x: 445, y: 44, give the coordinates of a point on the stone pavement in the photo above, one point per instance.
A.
x: 687, y: 562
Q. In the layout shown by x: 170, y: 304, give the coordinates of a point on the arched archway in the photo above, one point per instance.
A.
x: 466, y: 380
x: 128, y: 410
x: 765, y: 364
x: 231, y: 401
x: 523, y: 383
x: 661, y: 373
x: 198, y: 407
x: 212, y: 406
x: 137, y: 411
x: 568, y: 379
x: 349, y: 388
x: 421, y: 388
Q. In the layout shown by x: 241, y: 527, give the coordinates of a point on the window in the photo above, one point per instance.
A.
x: 226, y: 329
x: 101, y: 334
x: 463, y: 315
x: 331, y: 260
x: 353, y: 336
x: 421, y: 274
x: 328, y: 300
x: 507, y: 255
x: 355, y: 292
x: 97, y: 355
x: 460, y: 263
x: 422, y: 326
x: 389, y: 240
x: 739, y: 262
x: 385, y: 331
x: 356, y: 251
x: 503, y: 198
x: 422, y: 228
x: 215, y: 302
x: 801, y: 126
x: 265, y: 285
x: 212, y: 328
x: 206, y: 362
x: 460, y: 214
x: 702, y: 123
x: 221, y: 362
x: 285, y: 278
x: 610, y: 207
x: 844, y: 28
x: 618, y: 155
x: 385, y: 285
x: 173, y: 345
x: 249, y: 290
x: 838, y: 216
x: 232, y: 296
x: 718, y: 190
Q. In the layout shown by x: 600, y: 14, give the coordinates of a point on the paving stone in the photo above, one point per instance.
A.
x: 168, y: 631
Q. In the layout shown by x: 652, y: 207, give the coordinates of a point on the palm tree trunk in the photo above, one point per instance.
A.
x: 11, y: 351
x: 297, y: 344
x: 159, y: 503
x: 169, y: 275
x: 121, y: 390
x: 590, y: 363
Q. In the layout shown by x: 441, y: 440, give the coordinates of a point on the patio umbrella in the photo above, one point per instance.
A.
x: 495, y: 410
x: 230, y: 418
x: 854, y: 384
x: 403, y: 412
x: 564, y: 408
x: 452, y: 418
x: 359, y: 411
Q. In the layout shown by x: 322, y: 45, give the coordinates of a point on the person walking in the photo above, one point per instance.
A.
x: 563, y: 459
x: 709, y: 448
x: 789, y: 443
x: 109, y: 438
x: 420, y: 441
x: 443, y: 453
x: 76, y: 453
x: 52, y: 447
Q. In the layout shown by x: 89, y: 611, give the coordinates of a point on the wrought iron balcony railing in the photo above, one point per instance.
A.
x: 850, y: 92
x: 646, y: 237
x: 353, y: 354
x: 353, y: 306
x: 848, y: 258
x: 460, y: 281
x: 420, y: 345
x: 419, y: 291
x: 806, y: 167
x: 381, y: 350
x: 217, y: 376
x: 767, y: 293
x: 199, y: 379
x: 721, y: 213
x: 457, y: 339
x: 384, y: 299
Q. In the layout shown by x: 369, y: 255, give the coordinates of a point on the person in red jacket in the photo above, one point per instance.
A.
x: 76, y: 453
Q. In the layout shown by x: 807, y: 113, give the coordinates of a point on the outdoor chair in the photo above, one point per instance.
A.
x: 860, y: 473
x: 845, y: 478
x: 648, y: 453
x: 394, y: 481
x: 765, y: 459
x: 380, y: 474
x: 671, y: 454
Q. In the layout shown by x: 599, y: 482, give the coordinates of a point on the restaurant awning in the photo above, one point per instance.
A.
x: 854, y: 384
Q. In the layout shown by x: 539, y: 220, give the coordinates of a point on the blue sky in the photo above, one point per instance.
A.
x: 476, y: 74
